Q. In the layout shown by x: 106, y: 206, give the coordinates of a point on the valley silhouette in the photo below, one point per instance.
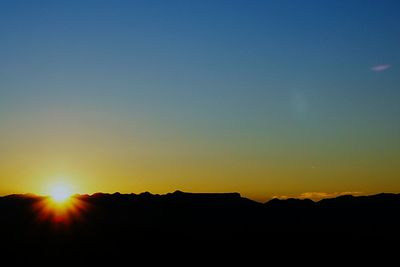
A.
x: 113, y: 227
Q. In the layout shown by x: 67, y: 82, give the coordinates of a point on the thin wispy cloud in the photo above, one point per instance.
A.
x: 382, y: 67
x: 320, y: 195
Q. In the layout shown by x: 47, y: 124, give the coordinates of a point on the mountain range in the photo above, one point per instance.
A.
x: 108, y: 227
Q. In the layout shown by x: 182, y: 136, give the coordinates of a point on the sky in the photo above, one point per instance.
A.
x: 266, y: 98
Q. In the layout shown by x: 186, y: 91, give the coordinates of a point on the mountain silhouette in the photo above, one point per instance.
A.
x: 120, y: 226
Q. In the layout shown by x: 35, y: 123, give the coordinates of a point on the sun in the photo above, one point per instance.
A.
x: 61, y: 205
x: 60, y: 193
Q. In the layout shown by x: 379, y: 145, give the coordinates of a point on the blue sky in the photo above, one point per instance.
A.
x: 266, y: 79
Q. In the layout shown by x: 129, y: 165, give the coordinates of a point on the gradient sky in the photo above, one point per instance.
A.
x: 266, y: 98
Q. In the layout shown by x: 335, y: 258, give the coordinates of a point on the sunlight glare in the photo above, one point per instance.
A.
x: 60, y: 193
x: 60, y: 207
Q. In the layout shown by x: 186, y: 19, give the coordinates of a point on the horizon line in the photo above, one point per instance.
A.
x: 203, y: 193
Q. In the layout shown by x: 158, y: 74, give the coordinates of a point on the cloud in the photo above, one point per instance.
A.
x: 382, y: 67
x: 281, y: 197
x: 321, y: 195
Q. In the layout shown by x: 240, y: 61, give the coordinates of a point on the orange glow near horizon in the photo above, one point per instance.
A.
x: 61, y: 206
x: 60, y: 212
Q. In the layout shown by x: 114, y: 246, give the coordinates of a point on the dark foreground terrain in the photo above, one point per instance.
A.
x: 195, y: 228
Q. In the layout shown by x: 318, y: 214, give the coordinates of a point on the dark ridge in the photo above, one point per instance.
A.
x: 21, y: 196
x: 289, y: 201
x: 179, y: 193
x: 131, y: 226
